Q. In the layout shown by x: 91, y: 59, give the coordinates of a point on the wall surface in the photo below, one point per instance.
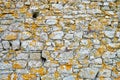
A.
x: 59, y: 39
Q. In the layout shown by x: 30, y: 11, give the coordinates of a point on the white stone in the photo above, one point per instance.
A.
x: 22, y: 56
x: 69, y: 78
x: 67, y: 43
x: 57, y: 6
x: 51, y: 70
x: 109, y: 55
x: 5, y: 65
x: 69, y: 36
x: 6, y: 45
x: 96, y: 41
x: 84, y: 42
x: 57, y: 35
x: 78, y: 34
x: 66, y: 55
x: 32, y: 45
x: 118, y: 34
x: 25, y: 35
x: 118, y: 53
x: 34, y: 63
x: 15, y: 44
x: 105, y: 73
x: 88, y: 73
x: 19, y: 4
x: 51, y: 21
x: 109, y: 34
x: 68, y: 16
x: 43, y: 36
x: 98, y: 61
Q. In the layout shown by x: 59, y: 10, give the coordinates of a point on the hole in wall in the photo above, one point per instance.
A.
x: 35, y: 14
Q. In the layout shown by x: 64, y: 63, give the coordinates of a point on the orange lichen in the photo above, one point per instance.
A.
x: 67, y: 67
x: 41, y: 71
x: 7, y: 4
x: 15, y: 77
x: 100, y: 50
x: 11, y: 37
x: 33, y: 43
x: 92, y: 72
x: 17, y: 66
x: 28, y: 76
x: 1, y: 29
x: 56, y: 74
x: 9, y: 77
x: 23, y: 9
x: 73, y: 27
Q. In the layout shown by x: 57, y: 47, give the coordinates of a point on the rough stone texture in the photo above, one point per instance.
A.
x: 89, y: 73
x: 59, y: 39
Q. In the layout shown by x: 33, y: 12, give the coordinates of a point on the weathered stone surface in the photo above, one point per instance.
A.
x: 109, y: 34
x: 105, y: 73
x: 59, y: 40
x: 88, y: 73
x: 34, y: 63
x: 15, y: 45
x: 22, y: 56
x: 69, y: 78
x: 25, y: 35
x: 57, y: 35
x: 51, y: 21
x: 6, y: 45
x: 35, y: 56
x: 9, y: 36
x: 5, y: 66
x: 32, y: 45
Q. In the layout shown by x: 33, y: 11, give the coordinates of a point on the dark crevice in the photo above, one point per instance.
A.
x: 35, y: 14
x: 42, y: 58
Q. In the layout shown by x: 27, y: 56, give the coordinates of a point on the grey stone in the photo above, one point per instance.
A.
x: 89, y: 73
x: 51, y: 21
x: 5, y: 66
x: 25, y: 35
x: 35, y: 56
x: 109, y: 34
x: 35, y: 63
x: 57, y: 6
x: 78, y: 34
x: 6, y: 45
x: 109, y: 55
x: 57, y: 35
x: 69, y: 36
x: 69, y: 78
x: 15, y: 44
x: 44, y: 36
x: 31, y: 45
x: 105, y: 73
x: 22, y: 56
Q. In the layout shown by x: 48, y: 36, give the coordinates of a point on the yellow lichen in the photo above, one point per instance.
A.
x: 73, y: 27
x: 15, y: 77
x: 1, y: 29
x: 67, y: 67
x: 56, y: 74
x: 11, y: 37
x: 41, y: 71
x: 33, y: 43
x: 28, y: 76
x: 17, y: 66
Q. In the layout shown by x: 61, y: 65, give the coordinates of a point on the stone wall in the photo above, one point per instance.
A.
x: 59, y: 39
